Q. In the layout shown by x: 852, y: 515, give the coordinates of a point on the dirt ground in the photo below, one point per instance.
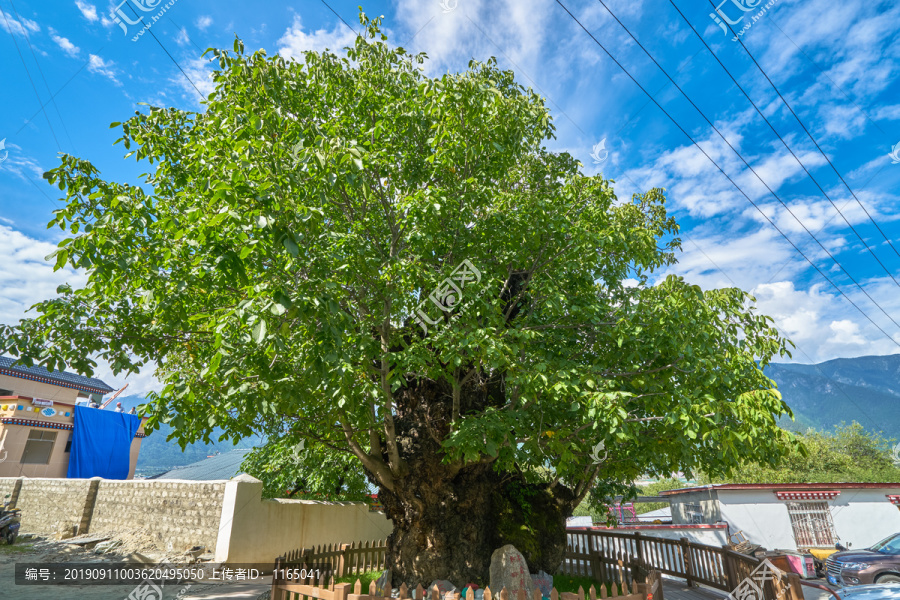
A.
x: 44, y: 551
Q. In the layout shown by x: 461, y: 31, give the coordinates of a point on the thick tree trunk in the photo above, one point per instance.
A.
x: 465, y: 519
x: 448, y: 521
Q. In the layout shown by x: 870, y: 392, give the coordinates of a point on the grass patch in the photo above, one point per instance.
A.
x: 571, y: 583
x: 562, y: 583
x: 365, y: 578
x: 15, y: 548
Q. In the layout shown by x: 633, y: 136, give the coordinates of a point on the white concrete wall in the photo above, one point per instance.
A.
x: 710, y: 537
x: 861, y: 516
x: 760, y: 515
x: 253, y: 530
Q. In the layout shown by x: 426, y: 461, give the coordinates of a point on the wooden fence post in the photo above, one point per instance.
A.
x: 638, y: 572
x: 341, y: 591
x: 728, y: 566
x: 594, y: 557
x: 795, y: 588
x: 686, y: 558
x: 341, y: 562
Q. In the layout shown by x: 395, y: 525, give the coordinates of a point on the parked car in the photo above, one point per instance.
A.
x: 890, y: 591
x: 878, y: 564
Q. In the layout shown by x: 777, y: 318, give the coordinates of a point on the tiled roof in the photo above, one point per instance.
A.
x: 221, y: 466
x: 62, y: 378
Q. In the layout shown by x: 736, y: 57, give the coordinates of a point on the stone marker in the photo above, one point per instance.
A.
x: 544, y: 582
x: 509, y: 570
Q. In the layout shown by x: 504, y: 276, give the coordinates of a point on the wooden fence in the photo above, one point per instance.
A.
x: 294, y: 590
x: 320, y: 566
x: 337, y: 560
x: 630, y: 565
x: 628, y: 557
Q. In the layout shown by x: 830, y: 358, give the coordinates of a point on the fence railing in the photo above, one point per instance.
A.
x: 338, y: 560
x: 628, y: 563
x: 295, y: 590
x: 311, y: 572
x: 628, y: 557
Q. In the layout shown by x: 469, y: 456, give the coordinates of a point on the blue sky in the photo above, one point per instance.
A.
x: 836, y: 64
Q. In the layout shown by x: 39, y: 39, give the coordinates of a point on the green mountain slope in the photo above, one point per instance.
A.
x: 158, y: 455
x: 864, y: 389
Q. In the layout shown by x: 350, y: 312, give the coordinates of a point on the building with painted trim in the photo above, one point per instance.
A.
x: 37, y: 410
x: 792, y: 516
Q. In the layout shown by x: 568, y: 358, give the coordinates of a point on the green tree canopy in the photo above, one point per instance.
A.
x: 395, y: 268
x: 849, y: 453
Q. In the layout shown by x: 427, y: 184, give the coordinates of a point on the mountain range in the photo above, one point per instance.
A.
x: 865, y: 389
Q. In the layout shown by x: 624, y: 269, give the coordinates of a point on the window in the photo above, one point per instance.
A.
x: 38, y: 447
x: 812, y: 523
x: 693, y: 512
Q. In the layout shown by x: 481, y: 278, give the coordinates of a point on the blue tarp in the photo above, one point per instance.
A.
x: 101, y: 443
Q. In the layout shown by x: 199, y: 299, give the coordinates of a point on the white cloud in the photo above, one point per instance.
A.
x: 203, y: 22
x: 101, y: 67
x: 88, y: 11
x: 64, y: 43
x: 20, y: 165
x: 824, y: 326
x: 22, y: 27
x: 200, y: 71
x: 182, y: 38
x: 295, y: 40
x: 26, y: 278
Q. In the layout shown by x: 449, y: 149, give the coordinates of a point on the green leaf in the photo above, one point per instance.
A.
x: 259, y: 331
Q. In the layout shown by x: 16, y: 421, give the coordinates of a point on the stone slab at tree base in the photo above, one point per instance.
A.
x: 509, y: 570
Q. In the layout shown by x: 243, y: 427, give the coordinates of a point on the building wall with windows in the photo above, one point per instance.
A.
x: 35, y: 442
x: 793, y: 516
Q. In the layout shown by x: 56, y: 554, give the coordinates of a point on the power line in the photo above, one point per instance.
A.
x: 150, y: 31
x: 743, y: 193
x: 28, y: 73
x: 184, y: 30
x: 38, y: 111
x: 340, y: 17
x: 718, y: 268
x: 824, y: 74
x: 833, y: 168
x: 746, y: 95
x: 752, y: 170
x: 41, y: 71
